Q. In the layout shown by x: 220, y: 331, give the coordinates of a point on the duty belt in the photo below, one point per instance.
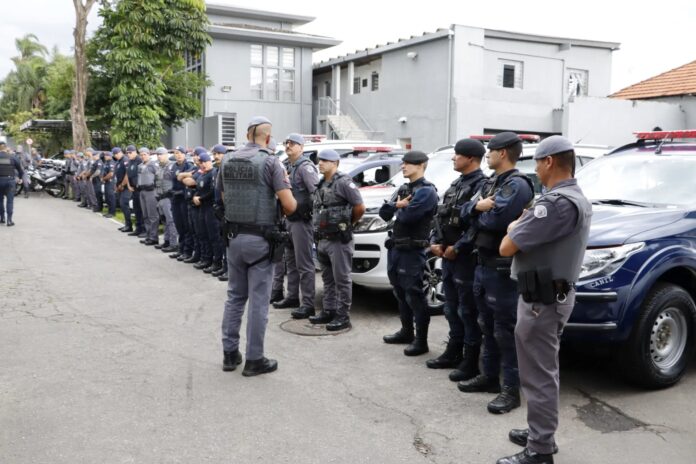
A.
x: 497, y: 263
x: 146, y: 188
x: 409, y: 244
x: 246, y: 229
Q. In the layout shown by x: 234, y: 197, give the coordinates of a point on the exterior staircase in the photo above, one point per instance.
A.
x: 345, y: 128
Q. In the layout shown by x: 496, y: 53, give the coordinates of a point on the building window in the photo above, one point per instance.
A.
x: 364, y: 82
x: 228, y: 128
x: 356, y: 85
x: 194, y: 63
x: 272, y: 74
x: 510, y: 74
x: 327, y: 88
x: 577, y: 82
x: 375, y: 80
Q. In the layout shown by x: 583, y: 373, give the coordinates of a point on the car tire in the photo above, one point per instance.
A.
x: 432, y: 285
x: 661, y: 344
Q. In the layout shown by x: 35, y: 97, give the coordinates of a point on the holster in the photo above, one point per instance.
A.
x: 538, y: 286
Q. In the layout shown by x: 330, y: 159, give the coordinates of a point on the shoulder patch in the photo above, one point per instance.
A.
x: 540, y: 211
x: 352, y: 185
x: 506, y: 191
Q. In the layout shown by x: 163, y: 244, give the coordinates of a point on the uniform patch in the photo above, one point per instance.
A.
x: 310, y: 169
x: 352, y: 185
x: 540, y: 211
x: 506, y: 191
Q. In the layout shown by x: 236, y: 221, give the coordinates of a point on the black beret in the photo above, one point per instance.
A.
x: 469, y: 147
x: 503, y: 140
x: 415, y: 157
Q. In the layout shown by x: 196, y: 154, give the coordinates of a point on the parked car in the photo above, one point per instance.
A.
x: 638, y: 281
x: 370, y: 257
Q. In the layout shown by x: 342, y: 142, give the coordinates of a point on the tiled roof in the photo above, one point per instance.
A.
x: 678, y: 81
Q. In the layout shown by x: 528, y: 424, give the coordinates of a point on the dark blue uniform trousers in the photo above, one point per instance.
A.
x: 7, y: 190
x: 181, y: 222
x: 496, y: 299
x: 460, y: 306
x: 138, y: 212
x: 110, y: 197
x: 192, y: 212
x: 211, y: 229
x: 405, y: 270
x: 124, y: 202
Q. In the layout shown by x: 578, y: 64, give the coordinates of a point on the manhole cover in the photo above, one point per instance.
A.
x: 304, y: 327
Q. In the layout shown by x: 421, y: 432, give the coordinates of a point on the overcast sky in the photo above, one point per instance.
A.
x: 654, y: 38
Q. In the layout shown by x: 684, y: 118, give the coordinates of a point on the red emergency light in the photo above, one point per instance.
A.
x: 660, y: 135
x: 313, y: 137
x: 525, y: 137
x: 373, y: 149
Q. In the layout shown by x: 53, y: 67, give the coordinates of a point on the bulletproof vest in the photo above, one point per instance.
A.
x: 176, y: 169
x: 248, y: 198
x: 331, y: 213
x: 299, y: 190
x: 448, y: 214
x: 7, y: 169
x: 146, y: 177
x: 490, y: 239
x: 164, y: 179
x: 564, y: 256
x: 421, y: 230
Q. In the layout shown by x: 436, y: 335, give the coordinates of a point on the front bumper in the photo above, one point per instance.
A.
x: 370, y: 260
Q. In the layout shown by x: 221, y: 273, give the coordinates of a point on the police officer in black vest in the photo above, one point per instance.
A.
x: 107, y: 179
x: 414, y: 206
x: 502, y: 199
x: 8, y: 181
x: 251, y: 178
x: 547, y: 244
x: 458, y: 264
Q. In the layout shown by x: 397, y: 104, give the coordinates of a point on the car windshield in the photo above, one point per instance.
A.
x: 640, y: 178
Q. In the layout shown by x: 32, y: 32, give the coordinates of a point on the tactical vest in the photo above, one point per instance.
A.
x: 7, y: 169
x: 146, y: 178
x: 164, y: 179
x: 413, y: 233
x: 564, y: 256
x: 448, y: 214
x: 299, y: 190
x: 248, y: 199
x: 332, y: 214
x: 490, y: 239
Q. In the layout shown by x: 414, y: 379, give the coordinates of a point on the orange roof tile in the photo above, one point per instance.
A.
x: 678, y: 81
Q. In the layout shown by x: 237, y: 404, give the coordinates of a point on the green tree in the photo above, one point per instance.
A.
x: 22, y: 89
x: 58, y: 84
x: 137, y: 54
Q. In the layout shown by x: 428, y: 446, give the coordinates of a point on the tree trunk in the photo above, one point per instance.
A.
x: 77, y: 108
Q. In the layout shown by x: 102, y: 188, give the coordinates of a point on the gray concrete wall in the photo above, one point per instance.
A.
x: 688, y: 106
x: 227, y: 63
x: 609, y: 121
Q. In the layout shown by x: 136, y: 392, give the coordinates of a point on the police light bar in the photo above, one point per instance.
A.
x: 660, y: 135
x: 524, y: 137
x: 373, y: 149
x: 313, y: 137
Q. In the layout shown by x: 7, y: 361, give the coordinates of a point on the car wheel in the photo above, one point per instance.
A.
x: 662, y: 341
x: 432, y: 285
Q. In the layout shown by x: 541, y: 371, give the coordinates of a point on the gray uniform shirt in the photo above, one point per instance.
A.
x: 147, y: 173
x: 551, y: 218
x: 347, y: 190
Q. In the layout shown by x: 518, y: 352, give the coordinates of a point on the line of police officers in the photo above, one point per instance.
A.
x: 508, y: 268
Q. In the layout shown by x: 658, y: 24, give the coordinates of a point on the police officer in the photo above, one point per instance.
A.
x: 147, y: 171
x: 179, y: 208
x: 95, y: 177
x: 300, y: 260
x: 164, y: 182
x: 208, y: 226
x: 108, y: 180
x: 122, y: 191
x: 88, y: 176
x: 280, y: 269
x: 69, y: 169
x: 414, y: 206
x: 190, y: 180
x: 219, y: 152
x: 502, y: 199
x: 132, y: 192
x: 251, y: 178
x: 25, y: 161
x: 8, y: 181
x: 79, y: 180
x: 458, y: 264
x: 338, y: 205
x: 547, y: 244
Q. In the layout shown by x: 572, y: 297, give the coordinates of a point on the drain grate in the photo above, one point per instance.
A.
x: 305, y: 328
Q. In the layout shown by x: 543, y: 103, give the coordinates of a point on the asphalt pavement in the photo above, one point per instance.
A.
x: 111, y: 353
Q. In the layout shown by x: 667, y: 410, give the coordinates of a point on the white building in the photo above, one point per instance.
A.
x: 428, y: 91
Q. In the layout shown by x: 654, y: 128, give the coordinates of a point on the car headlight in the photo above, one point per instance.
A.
x: 372, y: 224
x: 604, y: 261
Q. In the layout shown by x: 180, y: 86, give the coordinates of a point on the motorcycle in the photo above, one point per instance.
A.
x: 44, y: 178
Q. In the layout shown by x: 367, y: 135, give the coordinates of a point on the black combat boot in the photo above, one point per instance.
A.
x: 202, y: 265
x: 324, y: 317
x: 213, y: 268
x: 451, y: 357
x: 468, y: 368
x: 192, y: 259
x: 506, y: 401
x: 287, y: 303
x: 527, y: 457
x: 303, y: 312
x: 231, y: 360
x: 520, y: 436
x: 276, y: 296
x: 259, y: 366
x: 420, y: 343
x: 480, y: 383
x: 339, y: 323
x: 403, y: 336
x: 223, y: 277
x: 219, y: 272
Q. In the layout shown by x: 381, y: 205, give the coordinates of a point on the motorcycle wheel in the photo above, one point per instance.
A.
x: 55, y: 190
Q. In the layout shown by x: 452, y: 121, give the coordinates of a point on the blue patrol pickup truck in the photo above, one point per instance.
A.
x: 638, y: 282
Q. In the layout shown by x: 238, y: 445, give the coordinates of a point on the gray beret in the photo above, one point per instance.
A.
x: 328, y: 155
x: 469, y: 147
x: 552, y: 146
x: 144, y: 150
x: 257, y: 121
x: 89, y: 150
x: 503, y: 140
x: 161, y: 151
x: 297, y: 138
x: 415, y: 157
